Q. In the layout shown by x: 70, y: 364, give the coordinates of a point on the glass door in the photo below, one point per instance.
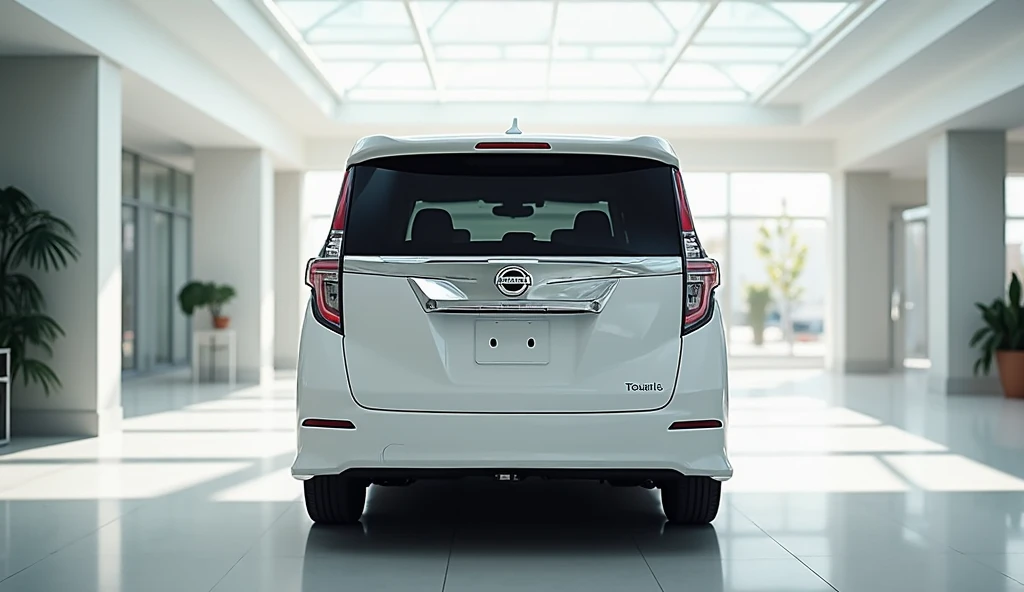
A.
x: 909, y: 308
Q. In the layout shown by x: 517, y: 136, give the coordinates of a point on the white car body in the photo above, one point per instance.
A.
x: 430, y: 377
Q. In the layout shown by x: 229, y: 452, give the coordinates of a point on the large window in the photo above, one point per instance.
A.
x: 1014, y: 227
x: 156, y: 262
x: 769, y: 232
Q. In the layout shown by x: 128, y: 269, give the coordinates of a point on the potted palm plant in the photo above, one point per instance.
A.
x: 209, y: 295
x: 1002, y: 338
x: 31, y: 240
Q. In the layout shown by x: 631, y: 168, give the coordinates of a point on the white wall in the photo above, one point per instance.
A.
x: 233, y: 243
x: 60, y: 120
x: 289, y: 268
x: 864, y: 204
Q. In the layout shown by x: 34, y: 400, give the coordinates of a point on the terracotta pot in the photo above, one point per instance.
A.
x: 1011, y: 372
x: 221, y: 322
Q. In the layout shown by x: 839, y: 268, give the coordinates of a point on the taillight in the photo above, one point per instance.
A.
x: 323, y: 274
x: 323, y: 277
x: 701, y: 281
x: 702, y: 273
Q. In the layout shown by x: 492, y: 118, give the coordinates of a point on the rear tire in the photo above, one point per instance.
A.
x: 691, y: 500
x: 334, y: 499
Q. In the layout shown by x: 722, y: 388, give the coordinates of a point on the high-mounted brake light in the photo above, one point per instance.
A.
x: 513, y: 146
x: 702, y: 273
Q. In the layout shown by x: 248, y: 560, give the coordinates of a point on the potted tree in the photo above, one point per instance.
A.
x: 31, y: 239
x: 209, y: 295
x: 759, y: 296
x: 1002, y: 338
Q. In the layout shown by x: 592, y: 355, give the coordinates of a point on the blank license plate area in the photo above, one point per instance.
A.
x: 512, y: 342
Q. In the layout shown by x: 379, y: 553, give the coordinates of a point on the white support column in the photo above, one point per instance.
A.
x: 233, y: 240
x: 861, y: 273
x: 289, y: 268
x: 966, y: 250
x: 61, y: 126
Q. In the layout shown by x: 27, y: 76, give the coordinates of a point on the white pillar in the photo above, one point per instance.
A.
x: 861, y: 273
x: 233, y: 243
x: 966, y: 250
x: 289, y: 268
x: 60, y: 124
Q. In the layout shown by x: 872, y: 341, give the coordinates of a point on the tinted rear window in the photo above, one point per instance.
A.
x: 519, y: 204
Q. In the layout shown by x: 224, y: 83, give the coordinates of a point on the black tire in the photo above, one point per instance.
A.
x: 691, y: 500
x: 334, y: 499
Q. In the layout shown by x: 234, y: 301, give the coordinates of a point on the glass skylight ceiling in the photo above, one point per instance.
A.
x: 556, y: 50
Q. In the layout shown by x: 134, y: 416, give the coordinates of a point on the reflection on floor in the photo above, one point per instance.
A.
x: 843, y: 483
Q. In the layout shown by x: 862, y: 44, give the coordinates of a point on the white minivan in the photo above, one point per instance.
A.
x: 512, y: 306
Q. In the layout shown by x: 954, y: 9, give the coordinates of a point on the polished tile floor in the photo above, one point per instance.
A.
x: 843, y: 483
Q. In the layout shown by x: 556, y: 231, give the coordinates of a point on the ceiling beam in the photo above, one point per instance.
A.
x: 342, y: 5
x: 426, y: 46
x: 683, y: 43
x: 847, y: 21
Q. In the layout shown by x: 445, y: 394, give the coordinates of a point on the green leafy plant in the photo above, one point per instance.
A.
x: 784, y: 256
x: 1004, y: 327
x: 759, y: 296
x: 196, y: 295
x: 30, y: 239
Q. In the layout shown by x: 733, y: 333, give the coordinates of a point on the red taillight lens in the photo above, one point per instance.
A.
x: 340, y: 210
x: 513, y: 146
x: 323, y: 277
x: 323, y: 274
x: 685, y: 218
x: 702, y: 277
x: 702, y: 274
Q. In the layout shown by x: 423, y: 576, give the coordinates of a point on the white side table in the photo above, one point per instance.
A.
x: 213, y: 339
x: 5, y: 396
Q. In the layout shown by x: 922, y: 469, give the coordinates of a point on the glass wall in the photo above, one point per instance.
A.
x: 156, y: 262
x: 1014, y: 227
x: 769, y: 231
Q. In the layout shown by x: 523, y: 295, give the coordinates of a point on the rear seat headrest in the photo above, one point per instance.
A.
x: 592, y: 225
x: 433, y: 225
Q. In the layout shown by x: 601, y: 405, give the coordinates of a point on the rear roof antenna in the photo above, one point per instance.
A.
x: 514, y: 130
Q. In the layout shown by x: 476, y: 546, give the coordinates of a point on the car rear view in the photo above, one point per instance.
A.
x: 512, y: 308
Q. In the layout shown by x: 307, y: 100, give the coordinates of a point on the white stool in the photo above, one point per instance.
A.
x: 214, y: 338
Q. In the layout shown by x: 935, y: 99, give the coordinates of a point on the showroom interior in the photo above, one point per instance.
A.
x: 856, y: 167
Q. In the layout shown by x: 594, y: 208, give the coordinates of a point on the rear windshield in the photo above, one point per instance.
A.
x: 512, y: 204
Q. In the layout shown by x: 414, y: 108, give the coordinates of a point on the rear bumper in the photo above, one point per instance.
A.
x: 391, y: 442
x: 395, y: 440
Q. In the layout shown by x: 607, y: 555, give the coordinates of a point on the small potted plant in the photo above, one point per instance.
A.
x: 209, y: 295
x: 759, y: 296
x: 1002, y: 338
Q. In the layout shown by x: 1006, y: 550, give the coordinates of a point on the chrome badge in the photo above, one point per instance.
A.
x: 513, y: 281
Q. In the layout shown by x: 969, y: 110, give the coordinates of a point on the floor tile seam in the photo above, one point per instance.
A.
x: 639, y: 550
x: 451, y: 551
x: 72, y: 542
x: 56, y: 469
x: 250, y: 547
x: 998, y: 571
x: 784, y: 548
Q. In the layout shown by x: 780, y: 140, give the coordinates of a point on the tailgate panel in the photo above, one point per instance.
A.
x: 406, y: 355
